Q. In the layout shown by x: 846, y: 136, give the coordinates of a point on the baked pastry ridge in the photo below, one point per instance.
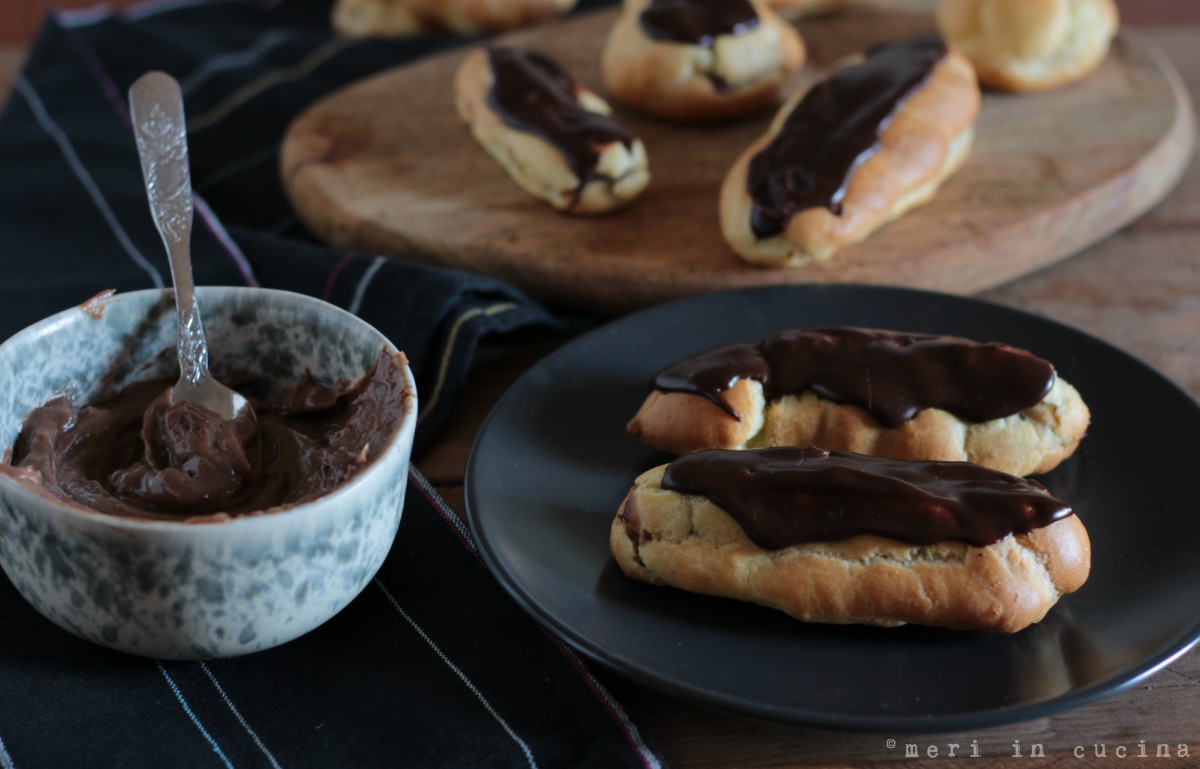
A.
x: 904, y: 396
x: 1026, y: 548
x: 872, y: 140
x: 556, y: 139
x: 1030, y: 45
x: 700, y: 60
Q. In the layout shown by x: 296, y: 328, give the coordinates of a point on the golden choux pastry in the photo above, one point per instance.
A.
x: 1029, y: 45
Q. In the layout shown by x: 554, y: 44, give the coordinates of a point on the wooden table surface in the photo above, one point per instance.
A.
x: 1139, y: 289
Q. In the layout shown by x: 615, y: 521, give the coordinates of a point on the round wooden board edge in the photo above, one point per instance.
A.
x: 1141, y: 186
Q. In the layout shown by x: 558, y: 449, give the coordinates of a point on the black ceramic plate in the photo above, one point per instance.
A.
x: 552, y: 463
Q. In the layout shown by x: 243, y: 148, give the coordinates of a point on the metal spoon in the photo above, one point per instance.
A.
x: 156, y: 105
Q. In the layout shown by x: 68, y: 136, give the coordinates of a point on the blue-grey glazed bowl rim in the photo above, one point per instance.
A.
x: 54, y: 323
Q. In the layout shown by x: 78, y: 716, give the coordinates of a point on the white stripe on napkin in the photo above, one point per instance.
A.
x: 235, y: 167
x: 6, y: 761
x: 284, y: 224
x: 617, y: 713
x: 85, y: 17
x: 82, y: 17
x: 360, y: 291
x: 222, y: 235
x: 266, y: 81
x: 238, y: 715
x: 427, y: 403
x: 233, y: 60
x: 461, y: 675
x: 148, y: 8
x: 81, y: 173
x: 630, y: 731
x: 195, y: 720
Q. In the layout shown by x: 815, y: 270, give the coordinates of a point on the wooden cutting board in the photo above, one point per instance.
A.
x: 385, y: 166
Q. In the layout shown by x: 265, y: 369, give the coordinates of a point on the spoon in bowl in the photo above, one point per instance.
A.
x: 156, y: 106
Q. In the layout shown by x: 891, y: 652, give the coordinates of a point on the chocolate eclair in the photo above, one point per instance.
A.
x: 838, y: 537
x: 885, y: 393
x: 556, y: 139
x: 700, y: 60
x: 872, y: 140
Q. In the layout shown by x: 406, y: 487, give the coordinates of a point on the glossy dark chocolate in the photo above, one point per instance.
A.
x: 140, y: 455
x: 834, y: 128
x: 532, y: 93
x: 697, y: 22
x: 787, y: 496
x: 893, y: 376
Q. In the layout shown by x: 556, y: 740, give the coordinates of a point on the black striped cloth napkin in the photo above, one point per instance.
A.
x: 433, y: 665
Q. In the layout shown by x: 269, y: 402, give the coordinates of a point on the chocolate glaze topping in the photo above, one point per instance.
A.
x: 891, y: 375
x: 140, y: 455
x: 785, y: 496
x: 834, y: 128
x: 697, y: 22
x: 532, y: 92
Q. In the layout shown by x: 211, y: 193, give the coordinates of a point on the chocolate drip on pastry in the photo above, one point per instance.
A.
x: 697, y: 22
x: 533, y: 93
x: 834, y: 128
x: 786, y: 496
x: 892, y: 376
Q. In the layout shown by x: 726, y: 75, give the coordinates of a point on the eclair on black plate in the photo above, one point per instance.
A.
x: 834, y: 537
x: 898, y: 395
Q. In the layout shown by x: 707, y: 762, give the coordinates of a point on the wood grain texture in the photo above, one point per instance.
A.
x: 385, y: 166
x: 1160, y: 711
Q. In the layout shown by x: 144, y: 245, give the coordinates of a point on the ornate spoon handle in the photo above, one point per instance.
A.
x: 156, y: 105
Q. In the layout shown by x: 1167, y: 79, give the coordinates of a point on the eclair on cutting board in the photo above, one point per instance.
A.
x: 885, y: 393
x: 832, y: 537
x: 555, y: 138
x: 700, y: 60
x: 872, y: 140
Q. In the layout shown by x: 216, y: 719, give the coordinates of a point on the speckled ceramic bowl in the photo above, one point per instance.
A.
x: 189, y: 591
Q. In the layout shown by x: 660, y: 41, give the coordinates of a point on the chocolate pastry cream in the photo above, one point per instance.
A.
x: 142, y: 456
